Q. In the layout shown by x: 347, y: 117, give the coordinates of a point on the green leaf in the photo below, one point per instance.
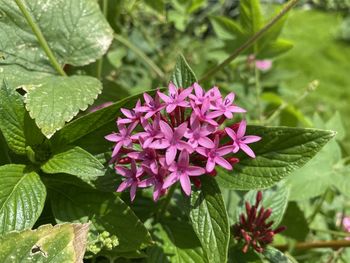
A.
x: 75, y: 161
x: 210, y: 221
x: 60, y: 243
x: 281, y: 151
x: 226, y: 28
x: 12, y: 114
x: 250, y: 15
x: 22, y: 197
x: 94, y: 121
x: 57, y: 100
x: 294, y: 219
x: 4, y: 151
x: 273, y: 255
x: 275, y: 198
x: 335, y: 123
x: 183, y: 76
x: 231, y: 199
x: 275, y: 48
x: 58, y: 21
x: 157, y: 5
x: 175, y: 242
x: 106, y: 211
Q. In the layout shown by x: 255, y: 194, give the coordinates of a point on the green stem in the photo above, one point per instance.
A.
x: 40, y: 37
x: 250, y: 41
x: 166, y: 202
x: 258, y: 93
x: 335, y: 244
x: 332, y: 232
x: 318, y: 207
x: 99, y: 64
x: 141, y: 54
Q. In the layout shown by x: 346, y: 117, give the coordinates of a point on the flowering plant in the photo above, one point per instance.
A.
x: 176, y: 137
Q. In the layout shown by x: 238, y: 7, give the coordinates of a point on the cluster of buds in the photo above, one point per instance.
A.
x: 177, y: 137
x: 253, y: 228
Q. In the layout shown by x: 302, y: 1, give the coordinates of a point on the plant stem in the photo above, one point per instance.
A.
x: 250, y: 41
x: 99, y: 63
x: 166, y: 202
x: 334, y: 244
x: 332, y: 232
x: 40, y: 37
x: 141, y: 54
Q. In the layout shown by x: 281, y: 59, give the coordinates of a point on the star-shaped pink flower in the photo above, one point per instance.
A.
x: 197, y: 134
x: 181, y: 170
x: 240, y: 141
x: 175, y: 99
x: 225, y: 107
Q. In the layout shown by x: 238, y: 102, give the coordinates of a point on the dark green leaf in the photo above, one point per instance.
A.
x: 183, y: 75
x: 22, y: 197
x: 56, y: 244
x: 106, y: 211
x: 75, y: 161
x: 250, y: 15
x: 273, y: 255
x: 157, y: 5
x: 209, y: 220
x: 176, y: 243
x: 281, y: 151
x: 12, y: 114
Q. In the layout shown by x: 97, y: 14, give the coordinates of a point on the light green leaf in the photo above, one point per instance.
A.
x: 275, y: 48
x: 106, y: 211
x: 12, y: 114
x: 75, y: 161
x: 341, y: 180
x: 250, y: 15
x: 210, y: 221
x: 57, y: 100
x: 175, y: 242
x: 275, y: 198
x: 58, y: 21
x: 54, y: 244
x: 157, y: 5
x: 231, y: 199
x: 281, y: 151
x: 226, y: 28
x: 273, y: 255
x: 335, y: 123
x: 22, y: 198
x: 182, y: 76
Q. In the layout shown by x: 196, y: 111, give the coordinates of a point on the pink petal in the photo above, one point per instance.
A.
x: 195, y: 171
x: 113, y: 137
x: 236, y: 109
x: 250, y: 139
x: 223, y: 163
x: 166, y: 130
x: 127, y: 113
x: 185, y: 184
x: 181, y: 145
x: 142, y: 109
x: 172, y: 88
x: 159, y: 144
x: 147, y: 142
x: 224, y: 150
x: 206, y: 142
x: 146, y: 183
x: 184, y: 158
x: 124, y: 121
x: 230, y: 98
x: 164, y: 97
x: 124, y: 185
x: 184, y: 94
x: 148, y: 98
x: 170, y: 154
x: 241, y: 129
x: 202, y: 151
x: 117, y: 148
x: 170, y: 180
x: 133, y: 192
x: 247, y: 150
x: 213, y: 114
x: 210, y: 165
x: 179, y: 131
x: 170, y: 108
x: 134, y: 155
x: 198, y: 90
x: 231, y: 133
x: 228, y: 114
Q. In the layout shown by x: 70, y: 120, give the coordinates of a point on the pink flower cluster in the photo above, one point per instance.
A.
x: 177, y: 137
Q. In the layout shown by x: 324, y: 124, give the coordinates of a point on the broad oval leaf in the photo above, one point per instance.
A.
x: 281, y: 151
x: 22, y: 197
x: 12, y: 113
x: 182, y: 76
x: 106, y: 211
x: 58, y: 21
x: 273, y: 255
x: 56, y: 100
x: 74, y: 161
x: 55, y: 244
x: 210, y: 221
x: 175, y: 242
